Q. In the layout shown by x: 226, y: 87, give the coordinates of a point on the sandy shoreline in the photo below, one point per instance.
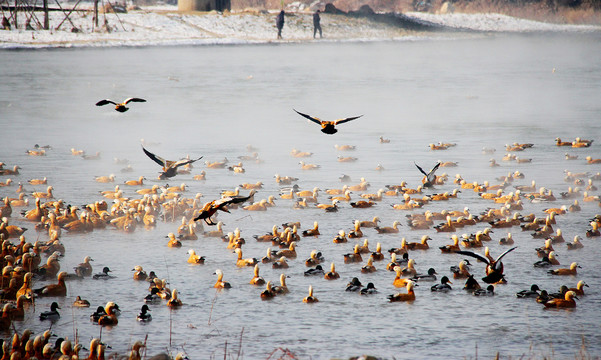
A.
x: 165, y: 26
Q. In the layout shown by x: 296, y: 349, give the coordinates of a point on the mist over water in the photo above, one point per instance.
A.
x: 213, y: 101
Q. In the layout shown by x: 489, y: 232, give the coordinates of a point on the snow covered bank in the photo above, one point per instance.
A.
x: 165, y: 26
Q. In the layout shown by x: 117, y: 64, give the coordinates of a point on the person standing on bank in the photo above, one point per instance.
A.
x: 279, y: 22
x: 316, y: 25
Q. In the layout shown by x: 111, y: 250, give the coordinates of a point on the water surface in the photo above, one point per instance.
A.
x: 214, y: 101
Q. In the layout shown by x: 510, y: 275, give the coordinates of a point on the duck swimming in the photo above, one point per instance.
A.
x: 104, y: 275
x: 567, y: 302
x: 332, y: 274
x: 51, y: 315
x: 409, y: 296
x: 220, y: 284
x: 310, y: 298
x: 318, y: 270
x: 443, y: 286
x: 153, y: 297
x: 327, y: 127
x: 369, y: 289
x: 571, y: 271
x: 489, y: 291
x: 532, y: 293
x: 79, y: 302
x: 97, y: 314
x: 354, y: 285
x: 430, y: 276
x: 144, y: 316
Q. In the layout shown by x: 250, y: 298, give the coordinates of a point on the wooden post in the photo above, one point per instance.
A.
x: 46, y: 21
x: 16, y: 12
x: 96, y: 13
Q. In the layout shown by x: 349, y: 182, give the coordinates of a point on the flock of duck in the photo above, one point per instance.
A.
x: 24, y: 262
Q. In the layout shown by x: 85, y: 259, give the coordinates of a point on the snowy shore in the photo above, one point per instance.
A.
x: 165, y: 26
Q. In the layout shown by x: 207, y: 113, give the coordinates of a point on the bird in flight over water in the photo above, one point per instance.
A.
x: 120, y: 107
x: 327, y: 127
x: 210, y: 208
x: 169, y: 167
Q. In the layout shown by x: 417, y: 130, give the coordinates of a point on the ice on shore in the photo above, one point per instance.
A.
x: 165, y: 26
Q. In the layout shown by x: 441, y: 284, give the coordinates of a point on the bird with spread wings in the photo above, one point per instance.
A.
x: 494, y: 268
x: 327, y: 127
x: 210, y: 208
x: 120, y: 107
x: 169, y: 167
x: 428, y: 181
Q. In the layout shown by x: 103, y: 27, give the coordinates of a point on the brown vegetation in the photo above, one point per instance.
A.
x: 556, y: 11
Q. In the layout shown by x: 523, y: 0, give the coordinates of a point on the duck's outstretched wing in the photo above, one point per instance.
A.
x: 237, y: 199
x: 157, y: 159
x: 341, y: 121
x: 105, y: 101
x: 420, y: 169
x: 474, y: 255
x: 183, y: 162
x: 498, y: 260
x: 133, y: 99
x: 431, y: 173
x: 312, y: 118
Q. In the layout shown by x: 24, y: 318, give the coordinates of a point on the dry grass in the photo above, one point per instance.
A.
x: 589, y: 12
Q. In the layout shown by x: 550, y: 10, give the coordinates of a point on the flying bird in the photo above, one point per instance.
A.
x: 494, y: 268
x: 211, y: 208
x: 169, y: 167
x: 327, y: 127
x: 120, y: 107
x: 428, y: 181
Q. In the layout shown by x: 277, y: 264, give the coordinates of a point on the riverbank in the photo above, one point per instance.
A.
x: 164, y: 25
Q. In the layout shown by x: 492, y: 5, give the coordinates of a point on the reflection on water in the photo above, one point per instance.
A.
x: 214, y: 101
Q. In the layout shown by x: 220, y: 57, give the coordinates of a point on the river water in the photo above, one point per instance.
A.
x: 213, y: 101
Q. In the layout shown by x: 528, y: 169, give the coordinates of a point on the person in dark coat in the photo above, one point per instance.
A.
x: 316, y: 24
x: 279, y: 22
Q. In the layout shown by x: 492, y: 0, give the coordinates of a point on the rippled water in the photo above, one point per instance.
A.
x: 214, y: 101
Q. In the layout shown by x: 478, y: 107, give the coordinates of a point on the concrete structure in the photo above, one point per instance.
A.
x: 203, y: 5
